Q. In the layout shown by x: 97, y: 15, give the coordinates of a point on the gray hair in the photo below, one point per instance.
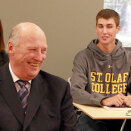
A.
x: 14, y: 36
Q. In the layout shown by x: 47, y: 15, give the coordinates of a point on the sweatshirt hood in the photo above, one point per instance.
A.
x: 117, y: 53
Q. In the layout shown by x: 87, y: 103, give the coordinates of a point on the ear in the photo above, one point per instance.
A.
x: 118, y: 28
x: 10, y: 47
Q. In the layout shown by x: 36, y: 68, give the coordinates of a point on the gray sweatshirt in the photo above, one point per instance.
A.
x: 97, y: 75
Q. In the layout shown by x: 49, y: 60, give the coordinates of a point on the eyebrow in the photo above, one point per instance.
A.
x: 106, y: 24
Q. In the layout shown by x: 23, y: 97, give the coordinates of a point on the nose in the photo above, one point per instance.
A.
x: 40, y: 56
x: 104, y: 30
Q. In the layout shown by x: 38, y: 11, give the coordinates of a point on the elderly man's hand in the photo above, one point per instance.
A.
x: 117, y: 100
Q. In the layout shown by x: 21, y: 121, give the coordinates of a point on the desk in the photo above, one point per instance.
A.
x: 101, y: 113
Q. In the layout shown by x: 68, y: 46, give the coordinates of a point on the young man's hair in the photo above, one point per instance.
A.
x: 107, y: 14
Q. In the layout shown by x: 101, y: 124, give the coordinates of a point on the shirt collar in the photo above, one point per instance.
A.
x: 15, y: 78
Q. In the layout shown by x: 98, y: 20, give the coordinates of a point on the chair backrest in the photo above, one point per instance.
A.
x: 69, y: 80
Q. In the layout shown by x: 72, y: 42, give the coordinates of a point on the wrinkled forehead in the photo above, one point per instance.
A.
x: 34, y: 39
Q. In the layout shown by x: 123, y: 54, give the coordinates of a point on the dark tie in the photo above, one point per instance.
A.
x: 23, y: 94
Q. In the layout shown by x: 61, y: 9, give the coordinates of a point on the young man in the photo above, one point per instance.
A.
x: 101, y: 73
x: 31, y: 99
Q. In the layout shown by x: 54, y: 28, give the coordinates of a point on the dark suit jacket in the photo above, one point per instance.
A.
x: 3, y: 57
x: 49, y: 106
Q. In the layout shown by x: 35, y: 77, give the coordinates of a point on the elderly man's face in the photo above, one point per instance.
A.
x: 27, y: 57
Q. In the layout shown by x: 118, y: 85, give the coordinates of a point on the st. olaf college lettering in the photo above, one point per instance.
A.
x: 109, y: 83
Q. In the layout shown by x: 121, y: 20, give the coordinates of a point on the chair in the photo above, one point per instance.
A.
x: 77, y: 111
x: 69, y: 80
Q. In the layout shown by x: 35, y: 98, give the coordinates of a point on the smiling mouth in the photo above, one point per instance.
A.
x: 105, y: 37
x: 34, y: 64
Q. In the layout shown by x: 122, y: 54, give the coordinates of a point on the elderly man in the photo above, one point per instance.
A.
x: 31, y: 99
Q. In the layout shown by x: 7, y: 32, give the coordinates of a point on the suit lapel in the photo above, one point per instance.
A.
x: 9, y: 93
x: 38, y: 92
